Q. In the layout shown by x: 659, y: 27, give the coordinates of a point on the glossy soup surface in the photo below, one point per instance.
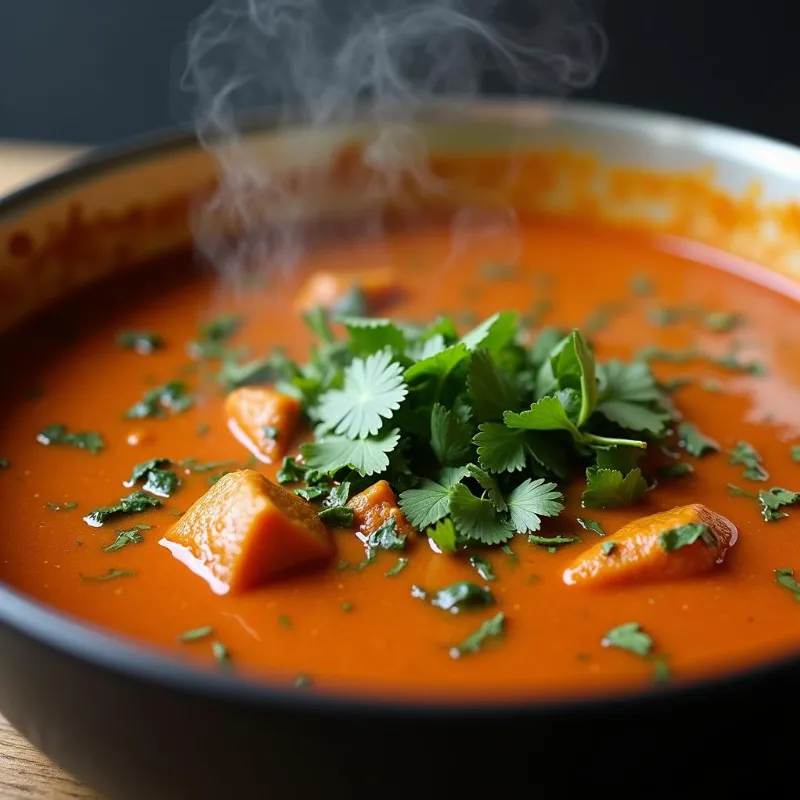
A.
x: 361, y: 629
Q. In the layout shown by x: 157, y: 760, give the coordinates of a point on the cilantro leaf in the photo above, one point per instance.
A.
x: 435, y: 369
x: 679, y: 470
x: 608, y: 488
x: 476, y: 518
x: 547, y: 414
x: 591, y: 525
x: 172, y: 396
x: 482, y: 567
x: 745, y: 454
x: 488, y: 483
x: 290, y: 471
x: 490, y: 388
x: 365, y: 456
x: 386, y: 537
x: 500, y: 449
x: 493, y: 334
x: 630, y: 637
x: 462, y: 595
x: 551, y: 541
x: 426, y: 504
x: 134, y: 503
x: 451, y: 439
x: 195, y: 634
x: 107, y: 576
x: 337, y: 516
x: 158, y: 481
x: 58, y: 434
x: 623, y: 459
x: 128, y: 536
x: 684, y: 535
x: 398, y: 567
x: 694, y: 442
x: 443, y: 535
x: 373, y: 390
x: 771, y: 501
x: 634, y: 416
x: 142, y: 342
x: 785, y: 578
x: 532, y: 500
x: 493, y: 627
x: 368, y: 335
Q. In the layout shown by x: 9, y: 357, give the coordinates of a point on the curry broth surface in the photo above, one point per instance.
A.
x: 68, y: 368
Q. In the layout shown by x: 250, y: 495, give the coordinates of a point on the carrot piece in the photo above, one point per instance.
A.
x: 246, y: 531
x: 263, y: 420
x: 374, y: 506
x: 379, y: 286
x: 636, y: 553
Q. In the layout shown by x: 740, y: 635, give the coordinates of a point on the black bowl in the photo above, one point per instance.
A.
x: 135, y: 725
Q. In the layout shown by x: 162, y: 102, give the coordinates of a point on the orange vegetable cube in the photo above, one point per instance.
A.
x: 374, y: 506
x: 263, y: 420
x: 246, y: 531
x: 325, y: 289
x: 651, y: 549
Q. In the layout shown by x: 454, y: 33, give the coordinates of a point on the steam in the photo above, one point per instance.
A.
x: 328, y: 62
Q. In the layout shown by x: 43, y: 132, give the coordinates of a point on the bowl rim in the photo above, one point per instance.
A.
x: 104, y: 649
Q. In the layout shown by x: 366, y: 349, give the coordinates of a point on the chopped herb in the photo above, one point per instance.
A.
x: 271, y: 432
x: 661, y: 671
x: 551, y: 541
x: 771, y: 502
x: 641, y: 285
x: 134, y: 503
x: 665, y: 316
x: 482, y: 567
x: 172, y: 397
x: 695, y: 443
x: 591, y: 525
x: 679, y: 470
x: 196, y: 634
x: 722, y: 321
x: 462, y: 595
x: 493, y: 627
x: 712, y: 386
x: 221, y: 653
x: 61, y: 506
x: 795, y: 453
x: 608, y: 547
x: 385, y: 538
x: 128, y: 536
x: 629, y: 637
x: 302, y: 682
x: 108, y: 576
x: 352, y: 303
x: 203, y: 428
x: 732, y: 362
x: 311, y: 493
x: 143, y: 342
x: 609, y: 488
x: 785, y: 578
x: 337, y: 517
x: 338, y: 495
x: 735, y: 491
x: 192, y: 465
x: 58, y: 434
x: 290, y: 471
x: 155, y: 479
x: 510, y: 553
x: 685, y: 535
x: 4, y: 463
x: 744, y: 454
x: 347, y: 606
x: 398, y: 567
x: 284, y: 621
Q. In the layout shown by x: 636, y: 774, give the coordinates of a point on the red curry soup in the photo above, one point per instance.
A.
x: 405, y: 471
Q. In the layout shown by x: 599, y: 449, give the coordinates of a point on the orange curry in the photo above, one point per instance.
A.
x: 295, y: 602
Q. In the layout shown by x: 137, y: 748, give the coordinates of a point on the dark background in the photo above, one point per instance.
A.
x: 99, y: 70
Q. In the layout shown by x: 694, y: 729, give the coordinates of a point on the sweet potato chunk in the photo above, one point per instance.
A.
x: 374, y: 506
x: 325, y: 289
x: 655, y: 548
x: 246, y: 531
x: 263, y: 420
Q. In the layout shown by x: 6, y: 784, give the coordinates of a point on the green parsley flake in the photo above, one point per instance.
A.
x: 629, y: 637
x: 134, y: 503
x: 61, y: 506
x: 337, y: 517
x: 462, y: 595
x: 111, y: 575
x: 551, y: 541
x: 155, y: 479
x: 491, y: 628
x: 127, y: 536
x: 483, y: 567
x: 4, y: 463
x: 642, y: 285
x: 195, y: 634
x: 284, y: 621
x: 609, y: 488
x: 722, y: 321
x: 398, y: 567
x: 695, y: 443
x: 745, y: 454
x: 771, y: 502
x: 679, y: 470
x: 142, y: 342
x: 172, y: 397
x: 591, y: 525
x: 685, y: 535
x: 785, y: 578
x: 58, y: 434
x: 221, y: 653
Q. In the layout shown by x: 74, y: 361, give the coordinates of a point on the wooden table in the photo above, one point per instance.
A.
x: 25, y: 774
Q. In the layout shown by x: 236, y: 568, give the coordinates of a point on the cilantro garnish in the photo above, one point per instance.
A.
x: 722, y: 321
x: 398, y: 567
x: 630, y: 637
x: 771, y: 502
x: 493, y: 627
x: 679, y: 470
x: 111, y: 575
x: 337, y: 516
x: 4, y: 463
x: 744, y: 454
x: 694, y: 442
x: 58, y: 434
x: 196, y: 634
x: 608, y: 547
x: 473, y: 431
x: 795, y: 453
x: 462, y: 595
x: 134, y: 503
x: 128, y: 536
x: 171, y: 397
x: 221, y: 653
x: 551, y: 541
x: 591, y: 525
x: 155, y: 479
x: 142, y: 342
x: 684, y: 535
x: 785, y: 578
x: 68, y: 506
x: 482, y: 567
x: 641, y: 285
